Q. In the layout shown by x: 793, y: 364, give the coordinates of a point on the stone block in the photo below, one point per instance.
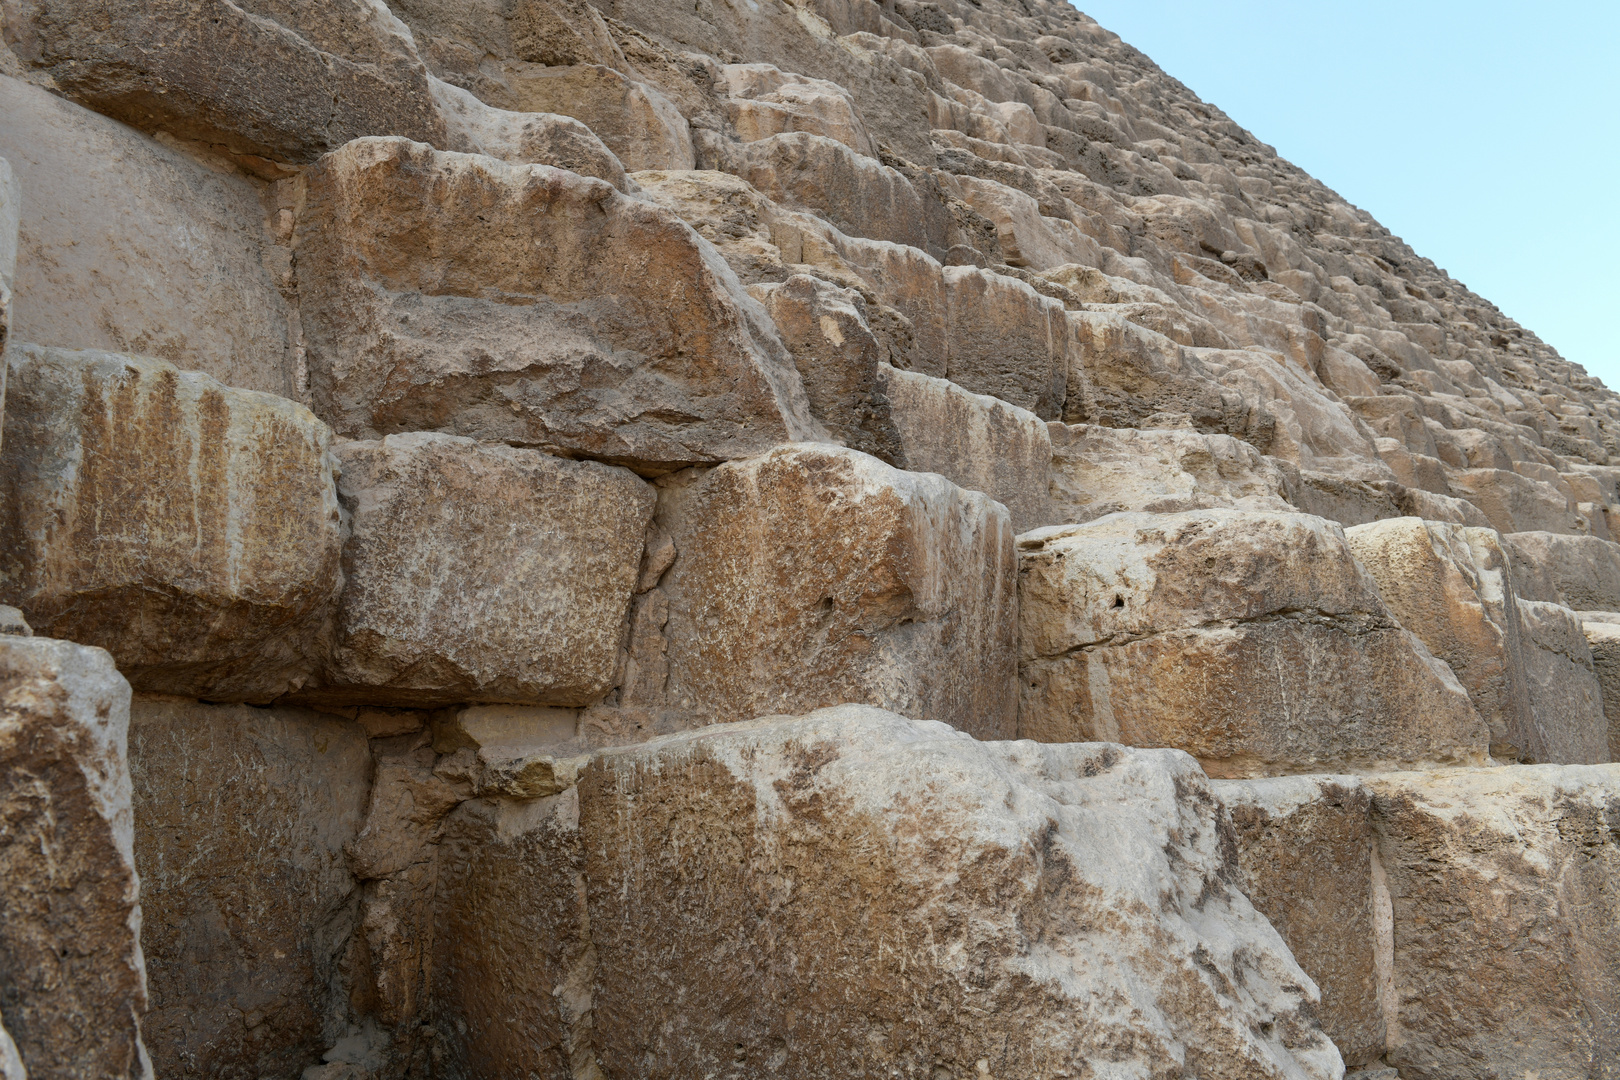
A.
x: 525, y: 138
x: 816, y: 576
x: 72, y: 980
x: 1581, y: 572
x: 1566, y: 698
x: 190, y: 529
x: 1305, y: 850
x: 1006, y: 340
x: 1506, y: 920
x: 853, y: 891
x: 127, y: 245
x: 1603, y: 638
x: 975, y: 441
x: 1254, y: 641
x: 250, y: 910
x: 1102, y: 470
x: 530, y: 305
x: 1453, y: 587
x: 305, y: 78
x: 765, y: 100
x: 10, y: 209
x: 1515, y: 503
x: 482, y: 572
x: 638, y: 123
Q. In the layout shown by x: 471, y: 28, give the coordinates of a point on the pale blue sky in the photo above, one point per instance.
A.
x: 1484, y: 134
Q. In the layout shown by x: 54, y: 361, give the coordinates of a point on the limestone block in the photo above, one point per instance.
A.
x: 1583, y: 572
x: 1603, y: 638
x: 816, y: 575
x: 529, y: 305
x: 1254, y: 641
x: 766, y: 101
x: 1452, y: 586
x: 10, y: 208
x: 482, y: 572
x: 1305, y: 849
x: 190, y: 529
x: 306, y: 78
x: 1006, y: 340
x: 523, y: 138
x: 638, y: 123
x: 973, y: 440
x: 70, y: 911
x: 824, y: 328
x: 1503, y: 884
x: 250, y: 909
x: 1566, y: 698
x: 853, y: 891
x: 1101, y: 470
x: 1515, y: 503
x: 127, y: 245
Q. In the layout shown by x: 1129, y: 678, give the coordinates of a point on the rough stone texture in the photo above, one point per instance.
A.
x: 825, y: 329
x: 1503, y: 887
x: 1254, y: 641
x: 558, y: 314
x: 10, y: 209
x: 636, y: 121
x: 853, y: 890
x: 1305, y: 847
x: 250, y: 909
x: 816, y: 576
x: 482, y: 572
x: 127, y: 245
x: 190, y: 529
x: 317, y: 77
x: 1604, y: 640
x: 524, y: 138
x: 1100, y: 470
x: 1452, y: 586
x: 72, y: 980
x: 1581, y: 572
x: 975, y: 441
x: 1566, y: 698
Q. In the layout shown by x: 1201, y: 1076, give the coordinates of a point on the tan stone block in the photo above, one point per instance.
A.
x: 525, y: 138
x: 530, y: 305
x: 1006, y: 340
x: 70, y: 909
x: 190, y: 529
x: 130, y: 246
x: 1505, y: 918
x: 766, y: 101
x: 1603, y: 638
x: 249, y: 906
x: 1305, y: 849
x: 306, y: 78
x: 975, y: 441
x: 1566, y: 698
x: 816, y: 576
x: 1581, y: 572
x: 1102, y: 470
x: 638, y: 123
x: 1515, y: 503
x: 854, y: 891
x: 482, y: 572
x: 1254, y: 641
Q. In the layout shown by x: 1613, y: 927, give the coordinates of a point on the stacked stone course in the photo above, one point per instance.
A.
x: 546, y: 538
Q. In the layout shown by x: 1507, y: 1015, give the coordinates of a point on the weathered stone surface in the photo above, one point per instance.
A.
x: 482, y: 572
x: 10, y: 208
x: 816, y: 576
x: 11, y: 1066
x: 1503, y: 886
x: 190, y: 529
x: 127, y: 245
x: 975, y: 441
x: 1305, y: 848
x: 1006, y: 340
x: 1566, y: 698
x: 766, y: 101
x: 1452, y: 586
x: 524, y: 138
x: 639, y: 124
x: 1101, y: 470
x: 1581, y: 572
x: 852, y: 890
x: 824, y: 328
x: 530, y: 305
x: 1254, y: 641
x: 306, y: 79
x: 72, y: 980
x: 1516, y: 503
x: 250, y: 909
x: 1603, y: 638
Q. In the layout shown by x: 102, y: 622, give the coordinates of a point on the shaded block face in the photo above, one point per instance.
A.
x: 190, y: 529
x: 306, y: 78
x: 1506, y: 918
x: 1604, y: 641
x: 817, y: 576
x: 480, y: 572
x: 530, y: 305
x: 1305, y: 849
x: 72, y: 982
x: 853, y: 891
x: 1567, y: 724
x: 249, y: 909
x: 1254, y: 641
x: 1582, y: 572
